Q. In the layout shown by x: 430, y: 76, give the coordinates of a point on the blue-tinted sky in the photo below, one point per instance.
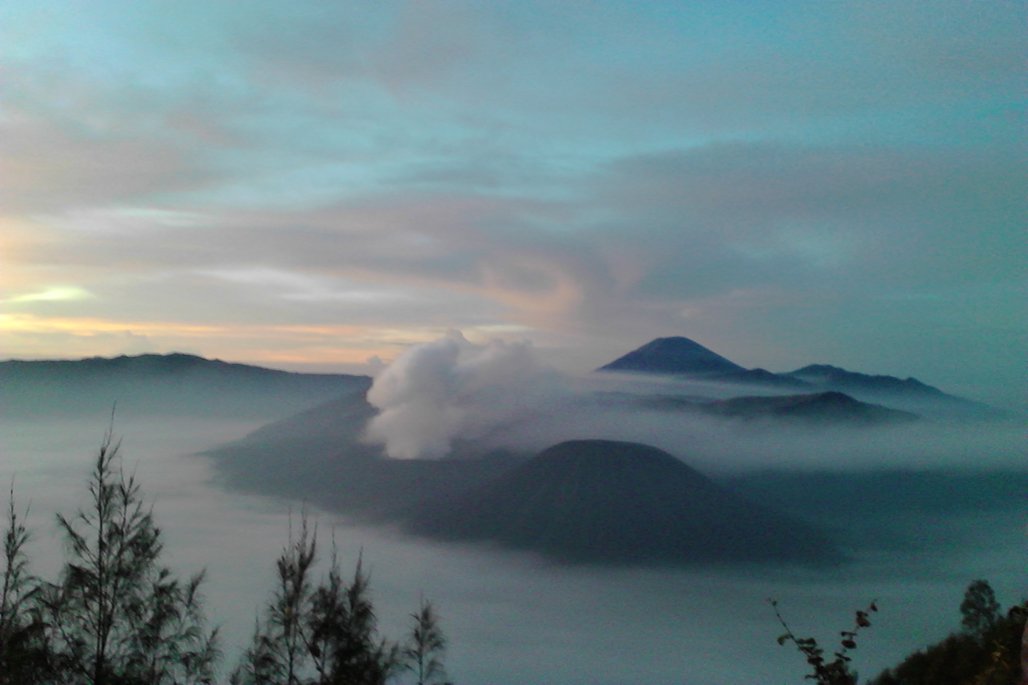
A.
x: 308, y: 185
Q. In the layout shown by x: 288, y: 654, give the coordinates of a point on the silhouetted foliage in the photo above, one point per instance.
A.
x: 359, y: 656
x: 986, y: 652
x: 425, y: 646
x: 23, y: 654
x: 836, y: 671
x: 117, y: 616
x: 316, y: 635
x: 979, y: 611
x: 283, y: 643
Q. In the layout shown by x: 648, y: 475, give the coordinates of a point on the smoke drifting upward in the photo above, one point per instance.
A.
x: 501, y: 396
x: 449, y: 388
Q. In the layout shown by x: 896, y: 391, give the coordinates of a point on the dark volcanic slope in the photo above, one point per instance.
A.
x: 673, y: 356
x: 762, y: 377
x: 173, y: 384
x: 824, y: 407
x: 841, y: 379
x: 909, y: 393
x: 318, y: 456
x: 597, y: 501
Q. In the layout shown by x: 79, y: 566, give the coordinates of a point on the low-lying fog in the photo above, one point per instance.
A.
x: 503, y: 395
x: 511, y: 619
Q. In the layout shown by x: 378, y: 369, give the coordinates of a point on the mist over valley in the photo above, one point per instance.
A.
x: 682, y: 500
x: 585, y: 328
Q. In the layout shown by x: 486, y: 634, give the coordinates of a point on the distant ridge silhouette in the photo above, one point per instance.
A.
x: 163, y: 384
x: 831, y: 406
x: 824, y: 408
x: 836, y: 377
x: 680, y: 356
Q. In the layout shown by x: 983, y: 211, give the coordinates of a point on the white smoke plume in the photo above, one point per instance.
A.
x: 500, y: 395
x: 449, y: 388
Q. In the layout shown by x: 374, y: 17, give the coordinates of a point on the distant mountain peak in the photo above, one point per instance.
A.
x: 673, y: 355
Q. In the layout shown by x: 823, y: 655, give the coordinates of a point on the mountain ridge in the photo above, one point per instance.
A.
x: 909, y: 393
x: 838, y: 376
x: 175, y: 384
x: 825, y: 408
x: 830, y: 405
x: 172, y: 361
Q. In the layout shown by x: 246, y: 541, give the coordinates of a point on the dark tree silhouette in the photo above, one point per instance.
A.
x: 425, y: 646
x: 316, y: 635
x: 285, y: 623
x: 23, y: 656
x: 988, y: 651
x: 359, y: 656
x: 826, y: 671
x: 979, y: 611
x: 117, y: 616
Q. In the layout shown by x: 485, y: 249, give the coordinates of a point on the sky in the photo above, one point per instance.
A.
x: 318, y: 186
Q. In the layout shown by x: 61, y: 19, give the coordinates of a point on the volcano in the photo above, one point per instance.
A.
x: 675, y: 355
x: 607, y: 502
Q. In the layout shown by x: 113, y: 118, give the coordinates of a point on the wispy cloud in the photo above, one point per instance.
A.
x: 587, y: 176
x: 55, y: 294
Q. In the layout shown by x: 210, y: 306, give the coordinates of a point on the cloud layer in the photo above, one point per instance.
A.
x: 783, y: 182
